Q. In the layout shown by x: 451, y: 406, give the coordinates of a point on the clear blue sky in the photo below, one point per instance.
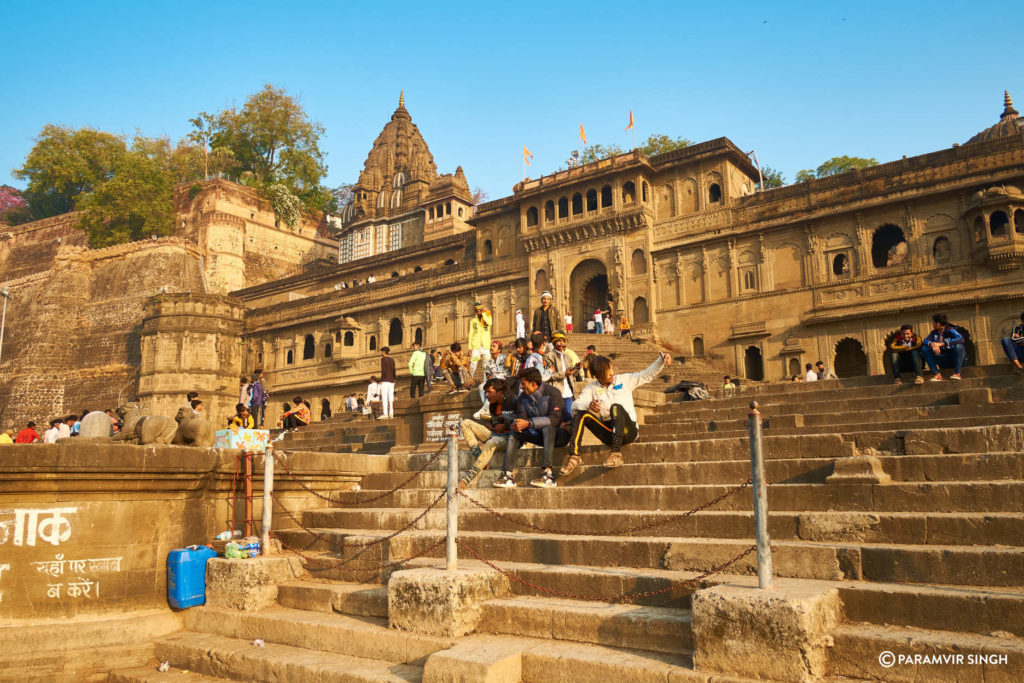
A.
x: 798, y: 82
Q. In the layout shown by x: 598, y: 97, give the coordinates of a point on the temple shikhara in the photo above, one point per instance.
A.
x: 895, y: 508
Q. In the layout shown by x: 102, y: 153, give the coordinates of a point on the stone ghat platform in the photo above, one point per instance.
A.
x: 897, y: 524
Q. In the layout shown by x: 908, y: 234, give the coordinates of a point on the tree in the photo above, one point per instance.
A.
x: 273, y: 139
x: 772, y: 177
x: 479, y: 196
x: 63, y: 164
x: 835, y: 166
x: 13, y: 208
x: 659, y: 143
x: 136, y: 201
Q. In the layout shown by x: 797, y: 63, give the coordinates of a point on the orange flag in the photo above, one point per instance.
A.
x: 583, y: 135
x: 630, y: 120
x: 527, y: 156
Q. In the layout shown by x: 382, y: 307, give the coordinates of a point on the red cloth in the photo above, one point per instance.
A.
x: 27, y: 435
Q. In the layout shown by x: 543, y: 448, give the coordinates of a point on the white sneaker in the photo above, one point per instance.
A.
x: 482, y: 414
x: 505, y: 481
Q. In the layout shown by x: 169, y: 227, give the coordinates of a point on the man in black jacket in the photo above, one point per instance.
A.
x: 540, y: 420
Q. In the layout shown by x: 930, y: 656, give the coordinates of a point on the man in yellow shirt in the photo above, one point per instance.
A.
x: 479, y: 338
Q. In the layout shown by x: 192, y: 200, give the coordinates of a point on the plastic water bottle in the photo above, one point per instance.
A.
x: 224, y: 536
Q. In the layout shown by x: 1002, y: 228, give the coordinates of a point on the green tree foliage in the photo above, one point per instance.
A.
x: 772, y: 177
x: 659, y: 143
x: 272, y: 139
x: 835, y: 166
x: 64, y: 163
x: 136, y: 201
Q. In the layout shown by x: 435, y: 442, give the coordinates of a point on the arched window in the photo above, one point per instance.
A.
x: 373, y: 342
x: 418, y: 336
x: 997, y: 223
x: 1018, y: 221
x: 328, y: 350
x: 382, y: 199
x: 794, y: 367
x: 540, y: 280
x: 753, y: 363
x: 398, y: 180
x: 715, y: 196
x: 698, y: 346
x: 888, y: 247
x: 638, y: 262
x: 395, y: 332
x: 289, y: 357
x: 850, y: 361
x: 628, y: 192
x: 563, y: 208
x: 531, y: 216
x: 350, y: 338
x: 749, y: 280
x: 942, y: 250
x: 308, y: 348
x: 396, y: 199
x: 430, y: 214
x: 606, y: 196
x: 591, y: 200
x: 577, y: 204
x: 488, y: 251
x: 504, y: 246
x: 549, y: 211
x: 643, y: 191
x: 460, y: 212
x: 325, y: 409
x: 841, y: 265
x: 448, y: 209
x: 640, y: 311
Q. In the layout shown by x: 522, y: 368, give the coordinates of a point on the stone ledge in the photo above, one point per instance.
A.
x: 441, y: 603
x: 249, y: 584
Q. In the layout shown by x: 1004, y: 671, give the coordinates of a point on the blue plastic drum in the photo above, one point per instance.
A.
x: 186, y: 576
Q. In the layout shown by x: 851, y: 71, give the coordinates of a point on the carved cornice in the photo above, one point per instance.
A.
x: 594, y: 228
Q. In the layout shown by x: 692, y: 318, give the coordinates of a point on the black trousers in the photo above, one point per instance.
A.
x: 417, y: 381
x: 617, y: 432
x: 291, y: 422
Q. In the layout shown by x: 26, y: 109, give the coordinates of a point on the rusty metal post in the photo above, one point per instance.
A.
x: 764, y: 551
x: 247, y: 460
x: 268, y: 497
x: 451, y: 553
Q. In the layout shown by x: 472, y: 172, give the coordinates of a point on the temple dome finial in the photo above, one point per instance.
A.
x: 401, y: 98
x: 1008, y: 109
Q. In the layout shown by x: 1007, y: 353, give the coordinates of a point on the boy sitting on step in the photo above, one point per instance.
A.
x: 605, y: 407
x: 500, y: 413
x: 540, y: 415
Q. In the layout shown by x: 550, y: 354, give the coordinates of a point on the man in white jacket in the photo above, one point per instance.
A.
x: 605, y: 407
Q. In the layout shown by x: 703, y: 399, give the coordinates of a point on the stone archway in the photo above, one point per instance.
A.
x: 851, y: 361
x: 753, y: 363
x: 588, y: 290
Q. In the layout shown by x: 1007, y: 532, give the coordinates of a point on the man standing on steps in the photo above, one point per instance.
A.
x: 520, y: 324
x: 540, y: 416
x: 605, y: 407
x: 479, y: 339
x: 565, y: 369
x: 387, y: 384
x: 417, y: 369
x: 823, y: 372
x: 546, y: 319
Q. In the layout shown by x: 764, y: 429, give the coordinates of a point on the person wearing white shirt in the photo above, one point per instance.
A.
x: 520, y: 324
x: 605, y: 407
x: 53, y: 433
x: 811, y: 375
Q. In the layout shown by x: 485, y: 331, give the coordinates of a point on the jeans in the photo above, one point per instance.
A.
x: 598, y: 329
x: 1015, y: 352
x: 896, y: 358
x: 548, y: 437
x: 954, y: 358
x: 417, y: 382
x: 258, y: 413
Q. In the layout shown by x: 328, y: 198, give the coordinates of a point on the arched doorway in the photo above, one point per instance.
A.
x: 395, y: 332
x: 588, y: 289
x: 640, y: 314
x: 851, y: 361
x: 753, y: 364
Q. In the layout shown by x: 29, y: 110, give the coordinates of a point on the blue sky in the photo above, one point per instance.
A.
x: 797, y: 82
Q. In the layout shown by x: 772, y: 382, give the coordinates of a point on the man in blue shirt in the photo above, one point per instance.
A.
x: 944, y: 347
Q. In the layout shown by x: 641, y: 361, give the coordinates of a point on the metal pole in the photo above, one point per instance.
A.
x: 5, y: 293
x: 268, y: 494
x: 247, y: 459
x: 451, y: 554
x: 757, y: 163
x: 764, y: 551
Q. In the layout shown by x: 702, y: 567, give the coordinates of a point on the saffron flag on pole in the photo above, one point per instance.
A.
x: 630, y: 120
x: 527, y: 156
x: 583, y: 135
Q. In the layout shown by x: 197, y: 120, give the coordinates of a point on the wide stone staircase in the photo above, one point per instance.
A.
x: 908, y: 500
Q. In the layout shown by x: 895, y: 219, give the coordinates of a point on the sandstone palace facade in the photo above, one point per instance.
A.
x: 758, y: 283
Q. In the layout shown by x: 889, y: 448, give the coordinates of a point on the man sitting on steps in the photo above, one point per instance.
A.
x: 501, y: 413
x: 540, y: 414
x: 944, y: 347
x: 905, y: 348
x: 605, y: 407
x: 1013, y: 346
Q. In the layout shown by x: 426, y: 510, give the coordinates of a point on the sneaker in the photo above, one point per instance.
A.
x: 919, y: 380
x: 1019, y: 371
x: 956, y: 376
x: 505, y: 481
x: 897, y: 381
x: 545, y: 481
x: 936, y: 378
x: 482, y: 414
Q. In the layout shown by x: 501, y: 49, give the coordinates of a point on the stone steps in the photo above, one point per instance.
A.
x: 931, y: 564
x: 858, y: 647
x: 150, y: 674
x: 236, y: 659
